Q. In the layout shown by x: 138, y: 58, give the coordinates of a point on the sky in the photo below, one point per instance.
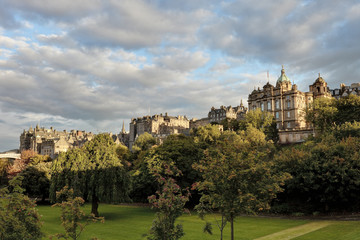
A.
x: 92, y: 65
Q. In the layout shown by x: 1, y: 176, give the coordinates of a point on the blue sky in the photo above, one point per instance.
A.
x: 90, y: 65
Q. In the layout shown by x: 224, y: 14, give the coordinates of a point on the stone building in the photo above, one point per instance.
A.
x: 343, y: 91
x: 159, y: 126
x: 51, y: 142
x: 287, y: 104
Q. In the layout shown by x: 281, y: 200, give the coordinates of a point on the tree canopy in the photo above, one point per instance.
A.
x: 94, y: 172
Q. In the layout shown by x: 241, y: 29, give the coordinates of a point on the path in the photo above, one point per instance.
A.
x: 294, y: 232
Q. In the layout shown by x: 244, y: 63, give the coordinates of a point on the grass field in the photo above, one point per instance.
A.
x: 131, y: 222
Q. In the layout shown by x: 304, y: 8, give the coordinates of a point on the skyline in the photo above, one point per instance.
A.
x: 90, y: 65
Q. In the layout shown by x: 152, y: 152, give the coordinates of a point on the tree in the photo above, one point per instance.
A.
x: 263, y: 121
x: 35, y: 182
x: 71, y: 214
x: 143, y: 142
x: 206, y: 135
x: 19, y: 218
x: 169, y: 201
x: 348, y: 109
x: 94, y: 172
x: 238, y: 175
x: 325, y: 174
x: 322, y: 114
x: 182, y: 152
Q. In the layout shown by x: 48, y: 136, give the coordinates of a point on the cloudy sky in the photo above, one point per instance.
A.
x: 92, y: 64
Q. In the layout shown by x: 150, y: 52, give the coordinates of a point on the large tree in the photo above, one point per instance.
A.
x: 94, y: 172
x: 237, y: 174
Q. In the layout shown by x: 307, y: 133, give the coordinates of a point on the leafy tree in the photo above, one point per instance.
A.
x: 169, y: 201
x: 348, y: 109
x: 182, y: 152
x: 143, y: 142
x: 238, y: 175
x: 19, y: 218
x: 35, y: 182
x: 94, y: 172
x: 325, y: 173
x: 263, y: 121
x: 206, y: 135
x: 71, y: 214
x: 4, y: 165
x: 322, y: 114
x: 230, y: 124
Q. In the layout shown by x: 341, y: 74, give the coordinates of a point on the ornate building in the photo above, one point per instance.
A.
x: 287, y: 104
x: 51, y: 142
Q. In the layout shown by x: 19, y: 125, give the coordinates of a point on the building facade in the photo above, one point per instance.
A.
x: 51, y: 142
x: 159, y: 126
x: 287, y: 104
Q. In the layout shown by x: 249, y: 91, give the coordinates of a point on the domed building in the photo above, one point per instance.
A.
x: 287, y: 104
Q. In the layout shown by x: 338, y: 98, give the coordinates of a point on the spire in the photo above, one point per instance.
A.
x: 241, y: 103
x: 123, y: 128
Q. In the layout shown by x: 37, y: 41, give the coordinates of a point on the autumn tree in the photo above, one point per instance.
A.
x: 94, y: 172
x: 237, y: 175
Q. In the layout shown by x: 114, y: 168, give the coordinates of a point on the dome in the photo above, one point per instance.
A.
x: 319, y: 79
x: 283, y: 78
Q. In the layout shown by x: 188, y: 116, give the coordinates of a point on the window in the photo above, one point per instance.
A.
x: 277, y: 104
x: 288, y: 104
x: 262, y: 106
x: 268, y: 105
x: 277, y: 115
x: 288, y: 125
x: 287, y: 97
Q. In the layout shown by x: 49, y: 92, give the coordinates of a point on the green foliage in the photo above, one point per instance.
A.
x: 169, y: 201
x: 4, y: 164
x: 18, y: 217
x: 94, y: 172
x: 206, y: 135
x: 144, y: 142
x: 237, y: 174
x: 35, y: 182
x: 230, y: 124
x: 71, y: 214
x: 182, y: 152
x: 263, y: 121
x: 322, y: 113
x: 326, y: 174
x: 348, y: 109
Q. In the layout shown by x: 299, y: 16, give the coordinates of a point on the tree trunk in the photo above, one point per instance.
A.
x: 94, y: 206
x: 232, y: 227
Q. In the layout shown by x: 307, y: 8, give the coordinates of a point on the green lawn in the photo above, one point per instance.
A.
x: 131, y: 222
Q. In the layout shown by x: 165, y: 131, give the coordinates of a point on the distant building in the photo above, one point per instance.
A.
x: 287, y: 104
x: 216, y: 115
x: 344, y: 91
x: 51, y: 142
x: 158, y: 126
x: 122, y: 137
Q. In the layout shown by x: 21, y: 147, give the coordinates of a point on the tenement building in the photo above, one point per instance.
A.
x: 287, y: 104
x: 51, y: 142
x: 159, y: 126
